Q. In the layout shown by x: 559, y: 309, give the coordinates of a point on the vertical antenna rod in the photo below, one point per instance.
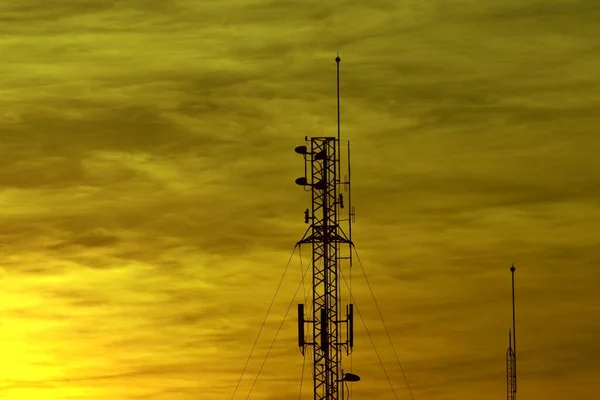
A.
x: 325, y: 236
x: 337, y: 62
x: 512, y: 270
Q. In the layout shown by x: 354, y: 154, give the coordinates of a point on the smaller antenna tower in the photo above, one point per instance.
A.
x: 511, y: 353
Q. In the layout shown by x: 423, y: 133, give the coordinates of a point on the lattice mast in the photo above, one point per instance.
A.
x: 511, y: 353
x: 322, y: 177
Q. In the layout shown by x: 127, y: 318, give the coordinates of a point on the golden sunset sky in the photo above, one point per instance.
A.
x: 148, y: 206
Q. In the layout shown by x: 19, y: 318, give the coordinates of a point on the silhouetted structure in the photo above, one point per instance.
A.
x: 511, y: 353
x: 322, y: 171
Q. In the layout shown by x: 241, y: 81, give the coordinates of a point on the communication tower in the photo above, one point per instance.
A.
x: 325, y: 234
x: 511, y: 353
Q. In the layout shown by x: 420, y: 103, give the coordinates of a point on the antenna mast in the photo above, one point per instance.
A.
x: 322, y: 177
x: 511, y: 353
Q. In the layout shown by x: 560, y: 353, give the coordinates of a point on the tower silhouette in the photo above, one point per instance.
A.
x: 326, y: 236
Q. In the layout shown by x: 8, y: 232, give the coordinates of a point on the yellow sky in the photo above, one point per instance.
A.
x: 148, y: 206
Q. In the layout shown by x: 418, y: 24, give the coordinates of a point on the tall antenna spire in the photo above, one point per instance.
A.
x: 514, y: 330
x: 339, y: 135
x: 337, y: 61
x: 511, y: 353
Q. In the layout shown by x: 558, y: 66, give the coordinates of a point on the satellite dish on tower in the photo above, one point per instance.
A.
x: 348, y: 377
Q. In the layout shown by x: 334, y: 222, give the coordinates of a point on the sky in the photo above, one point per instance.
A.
x: 148, y: 208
